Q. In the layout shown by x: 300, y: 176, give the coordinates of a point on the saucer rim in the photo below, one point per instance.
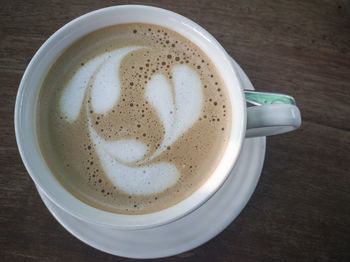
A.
x: 193, y: 243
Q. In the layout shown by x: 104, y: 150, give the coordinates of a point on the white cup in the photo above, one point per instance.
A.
x: 262, y: 120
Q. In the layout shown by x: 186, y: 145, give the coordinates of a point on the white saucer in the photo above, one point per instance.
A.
x: 188, y: 232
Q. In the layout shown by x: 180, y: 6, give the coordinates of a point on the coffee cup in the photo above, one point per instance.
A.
x: 266, y: 113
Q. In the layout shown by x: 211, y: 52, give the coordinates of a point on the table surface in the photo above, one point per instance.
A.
x: 300, y: 210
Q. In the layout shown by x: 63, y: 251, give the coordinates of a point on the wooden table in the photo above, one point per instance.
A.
x: 300, y: 210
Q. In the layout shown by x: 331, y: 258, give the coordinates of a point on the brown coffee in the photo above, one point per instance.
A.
x: 133, y: 118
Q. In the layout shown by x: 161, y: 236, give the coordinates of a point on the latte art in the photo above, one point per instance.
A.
x: 133, y: 118
x: 173, y: 111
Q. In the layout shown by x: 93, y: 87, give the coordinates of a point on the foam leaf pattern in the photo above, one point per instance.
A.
x: 72, y: 96
x: 143, y: 180
x: 159, y: 94
x: 188, y: 99
x: 105, y: 89
x: 186, y: 107
x: 125, y: 150
x: 106, y: 85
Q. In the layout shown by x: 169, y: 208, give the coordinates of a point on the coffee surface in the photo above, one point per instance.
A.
x: 133, y: 118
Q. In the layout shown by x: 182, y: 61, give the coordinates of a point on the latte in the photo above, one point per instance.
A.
x: 133, y: 118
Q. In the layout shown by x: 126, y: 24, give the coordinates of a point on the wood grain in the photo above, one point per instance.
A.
x: 300, y: 210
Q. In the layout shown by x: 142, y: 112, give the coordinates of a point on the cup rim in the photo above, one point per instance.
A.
x: 66, y: 201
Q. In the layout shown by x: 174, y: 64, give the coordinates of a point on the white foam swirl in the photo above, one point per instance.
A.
x: 177, y: 103
x: 106, y: 86
x: 126, y: 150
x: 73, y: 94
x: 159, y: 94
x: 144, y: 180
x: 180, y: 113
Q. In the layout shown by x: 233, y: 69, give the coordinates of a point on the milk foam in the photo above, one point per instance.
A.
x: 126, y: 150
x: 177, y: 114
x: 106, y: 86
x: 144, y: 180
x: 73, y: 94
x: 180, y: 113
x: 159, y: 94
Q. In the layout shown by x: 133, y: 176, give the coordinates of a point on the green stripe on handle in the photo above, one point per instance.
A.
x: 262, y: 98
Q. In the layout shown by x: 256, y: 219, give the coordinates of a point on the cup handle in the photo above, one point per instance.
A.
x: 270, y: 114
